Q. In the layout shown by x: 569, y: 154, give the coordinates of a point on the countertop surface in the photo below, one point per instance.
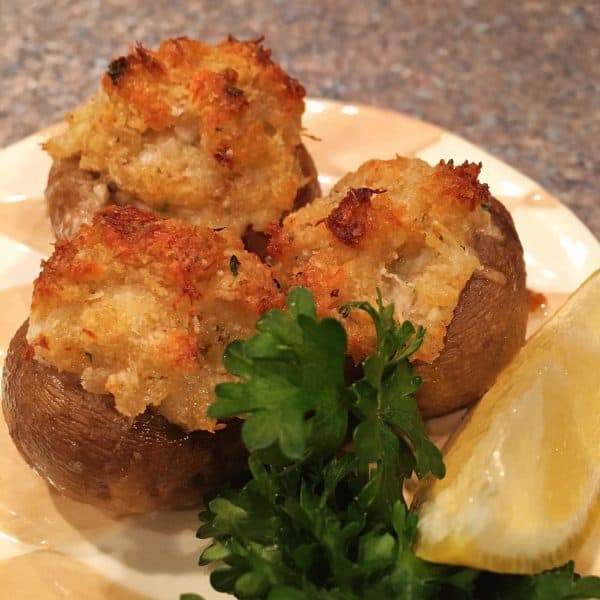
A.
x: 521, y: 79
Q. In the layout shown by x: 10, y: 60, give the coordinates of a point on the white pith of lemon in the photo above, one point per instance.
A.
x: 522, y: 483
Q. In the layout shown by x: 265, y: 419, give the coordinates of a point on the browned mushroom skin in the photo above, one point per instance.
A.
x: 337, y: 246
x: 71, y: 198
x: 88, y: 451
x: 310, y: 190
x: 488, y: 326
x: 258, y: 241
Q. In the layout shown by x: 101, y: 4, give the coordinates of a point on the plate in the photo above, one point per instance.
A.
x: 54, y: 545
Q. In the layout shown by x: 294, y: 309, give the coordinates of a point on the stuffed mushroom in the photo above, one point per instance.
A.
x: 209, y: 134
x: 105, y: 389
x: 435, y: 243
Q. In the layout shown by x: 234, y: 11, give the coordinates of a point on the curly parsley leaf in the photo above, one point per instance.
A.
x: 557, y: 584
x: 391, y: 430
x: 294, y: 381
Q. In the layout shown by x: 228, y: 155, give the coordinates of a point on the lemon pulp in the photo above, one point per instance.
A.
x: 522, y: 481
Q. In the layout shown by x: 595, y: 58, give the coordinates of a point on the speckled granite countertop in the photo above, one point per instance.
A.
x: 521, y: 79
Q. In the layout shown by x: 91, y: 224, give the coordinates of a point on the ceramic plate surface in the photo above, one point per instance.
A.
x: 67, y: 549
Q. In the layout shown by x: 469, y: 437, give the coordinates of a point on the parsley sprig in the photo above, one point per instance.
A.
x: 323, y: 515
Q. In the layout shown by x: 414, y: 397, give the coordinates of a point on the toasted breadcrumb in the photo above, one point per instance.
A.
x: 142, y: 308
x: 398, y: 225
x: 206, y: 133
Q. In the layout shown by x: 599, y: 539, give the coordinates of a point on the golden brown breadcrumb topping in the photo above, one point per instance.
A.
x: 207, y: 133
x: 399, y: 225
x: 349, y: 220
x: 142, y: 307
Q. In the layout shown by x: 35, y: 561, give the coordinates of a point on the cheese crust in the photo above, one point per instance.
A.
x: 398, y: 225
x: 206, y: 133
x: 143, y: 307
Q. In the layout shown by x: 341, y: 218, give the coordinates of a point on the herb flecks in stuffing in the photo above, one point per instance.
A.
x: 323, y: 517
x: 116, y: 68
x: 234, y: 91
x: 234, y: 265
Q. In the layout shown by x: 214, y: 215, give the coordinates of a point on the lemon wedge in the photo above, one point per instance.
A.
x: 522, y: 483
